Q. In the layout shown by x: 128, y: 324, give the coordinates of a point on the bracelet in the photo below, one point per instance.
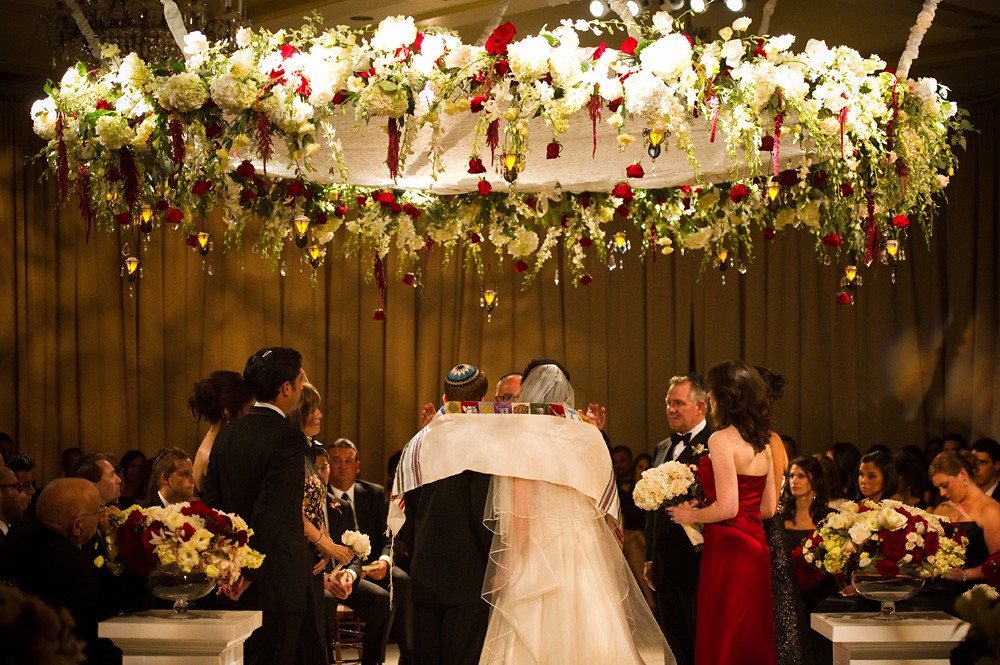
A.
x: 965, y: 576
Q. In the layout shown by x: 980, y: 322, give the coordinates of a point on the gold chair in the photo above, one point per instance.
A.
x: 348, y: 632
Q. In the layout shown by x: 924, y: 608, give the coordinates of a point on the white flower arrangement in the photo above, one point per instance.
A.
x: 669, y: 484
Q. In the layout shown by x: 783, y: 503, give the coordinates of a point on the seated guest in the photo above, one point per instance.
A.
x: 68, y: 460
x: 23, y: 467
x: 987, y: 451
x: 641, y: 463
x: 45, y: 558
x: 932, y: 449
x: 953, y: 441
x: 14, y: 499
x: 621, y: 456
x: 173, y: 479
x: 102, y: 470
x: 877, y: 478
x: 132, y: 464
x: 804, y: 500
x: 219, y: 399
x: 508, y: 387
x: 791, y: 447
x: 7, y: 447
x: 846, y: 456
x: 979, y: 515
x: 912, y: 476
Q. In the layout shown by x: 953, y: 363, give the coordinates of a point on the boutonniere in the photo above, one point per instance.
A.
x: 335, y: 504
x: 699, y: 449
x: 98, y: 561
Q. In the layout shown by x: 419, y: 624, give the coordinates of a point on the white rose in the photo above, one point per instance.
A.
x: 243, y: 37
x: 43, y: 116
x: 195, y: 43
x: 663, y: 22
x: 741, y: 24
x: 667, y: 57
x: 394, y: 32
x: 732, y: 51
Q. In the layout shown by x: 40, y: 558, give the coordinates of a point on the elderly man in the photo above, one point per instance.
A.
x: 672, y: 562
x: 508, y: 387
x: 14, y: 500
x: 102, y: 470
x: 172, y: 479
x: 45, y: 558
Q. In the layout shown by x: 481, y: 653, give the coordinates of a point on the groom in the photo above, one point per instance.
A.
x: 672, y: 563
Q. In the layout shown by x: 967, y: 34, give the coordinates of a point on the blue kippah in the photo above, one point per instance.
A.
x: 462, y: 374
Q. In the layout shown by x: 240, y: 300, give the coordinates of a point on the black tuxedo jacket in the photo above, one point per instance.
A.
x: 41, y: 562
x: 153, y: 502
x: 257, y: 471
x: 372, y: 510
x: 667, y: 545
x: 340, y: 518
x: 448, y: 542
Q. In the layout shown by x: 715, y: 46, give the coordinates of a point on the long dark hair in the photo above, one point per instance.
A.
x: 741, y: 400
x: 219, y: 397
x: 818, y: 509
x: 846, y: 456
x: 890, y: 479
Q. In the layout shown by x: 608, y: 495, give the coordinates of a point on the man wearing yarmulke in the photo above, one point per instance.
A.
x: 450, y: 549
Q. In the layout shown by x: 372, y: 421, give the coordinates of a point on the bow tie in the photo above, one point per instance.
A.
x: 682, y: 439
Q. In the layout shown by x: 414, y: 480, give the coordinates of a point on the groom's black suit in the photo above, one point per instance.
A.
x: 257, y: 471
x: 450, y: 549
x: 675, y: 560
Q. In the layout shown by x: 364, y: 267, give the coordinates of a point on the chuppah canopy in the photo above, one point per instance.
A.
x: 403, y: 139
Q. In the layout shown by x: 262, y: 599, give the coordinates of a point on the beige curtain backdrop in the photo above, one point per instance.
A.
x: 84, y: 363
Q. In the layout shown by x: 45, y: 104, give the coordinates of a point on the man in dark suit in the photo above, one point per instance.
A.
x: 171, y: 480
x: 370, y: 508
x: 450, y: 549
x: 256, y: 470
x: 45, y: 558
x: 672, y: 562
x: 14, y: 499
x: 987, y: 476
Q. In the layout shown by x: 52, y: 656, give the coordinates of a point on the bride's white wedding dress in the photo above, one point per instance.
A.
x: 560, y: 588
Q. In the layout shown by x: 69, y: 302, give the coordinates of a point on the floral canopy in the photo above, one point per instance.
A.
x: 402, y: 139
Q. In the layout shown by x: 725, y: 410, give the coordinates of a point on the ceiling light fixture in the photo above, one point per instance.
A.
x: 598, y: 8
x: 698, y: 6
x: 633, y: 7
x: 736, y: 5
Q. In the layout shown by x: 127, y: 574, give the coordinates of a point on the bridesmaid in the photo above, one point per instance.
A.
x: 220, y: 398
x: 735, y: 622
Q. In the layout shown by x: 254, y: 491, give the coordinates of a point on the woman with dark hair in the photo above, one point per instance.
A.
x: 219, y: 399
x: 912, y: 478
x: 131, y: 465
x: 952, y: 473
x: 877, y: 477
x: 804, y: 502
x: 846, y: 456
x: 735, y: 624
x: 641, y: 463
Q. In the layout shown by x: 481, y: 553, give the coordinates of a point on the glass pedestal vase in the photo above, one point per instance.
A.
x: 170, y: 582
x: 887, y: 590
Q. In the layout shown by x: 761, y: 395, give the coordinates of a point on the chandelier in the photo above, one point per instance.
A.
x: 134, y: 26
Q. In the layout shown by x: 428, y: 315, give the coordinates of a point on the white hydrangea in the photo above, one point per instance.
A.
x: 287, y: 110
x: 231, y: 94
x: 394, y: 32
x: 183, y: 92
x: 133, y: 73
x: 523, y: 243
x: 113, y: 131
x: 529, y: 58
x: 143, y: 132
x: 645, y: 94
x: 668, y: 56
x: 43, y: 117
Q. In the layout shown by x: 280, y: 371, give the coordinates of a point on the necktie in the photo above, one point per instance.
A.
x: 354, y: 513
x: 678, y: 441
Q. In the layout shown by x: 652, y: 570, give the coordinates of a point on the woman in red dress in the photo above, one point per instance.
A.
x: 735, y: 624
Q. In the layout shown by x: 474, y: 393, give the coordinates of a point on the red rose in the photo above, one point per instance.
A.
x: 552, y: 150
x: 931, y: 543
x: 497, y: 42
x: 622, y: 211
x: 476, y: 103
x: 788, y: 178
x: 767, y: 144
x: 759, y: 51
x: 410, y: 279
x: 201, y: 188
x: 893, y: 544
x: 521, y: 265
x: 303, y: 88
x: 362, y: 201
x: 623, y: 191
x: 476, y: 166
x: 174, y: 216
x: 277, y: 74
x: 379, y: 314
x: 844, y: 298
x: 321, y: 217
x: 628, y: 46
x: 900, y: 221
x: 615, y: 103
x: 191, y: 241
x: 846, y: 189
x: 103, y: 105
x: 245, y: 169
x: 287, y: 51
x: 739, y: 192
x: 818, y: 178
x: 501, y: 67
x: 340, y: 97
x: 474, y: 237
x: 385, y: 198
x: 213, y: 131
x: 599, y: 51
x: 770, y: 233
x: 412, y: 210
x: 295, y: 188
x: 887, y: 568
x: 418, y: 42
x: 484, y: 187
x: 635, y: 171
x: 124, y: 217
x: 585, y: 280
x: 585, y: 201
x: 586, y: 242
x: 247, y: 195
x: 340, y: 211
x: 162, y: 205
x: 832, y: 240
x: 396, y: 207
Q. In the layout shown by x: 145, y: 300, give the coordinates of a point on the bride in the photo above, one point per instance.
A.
x: 559, y: 586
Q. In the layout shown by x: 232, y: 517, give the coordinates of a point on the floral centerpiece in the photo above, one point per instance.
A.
x: 669, y: 484
x: 888, y: 537
x: 190, y: 536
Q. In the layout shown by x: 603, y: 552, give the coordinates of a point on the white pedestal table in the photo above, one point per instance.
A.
x: 150, y: 638
x: 916, y: 638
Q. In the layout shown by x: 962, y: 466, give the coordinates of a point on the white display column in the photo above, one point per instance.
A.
x: 916, y: 638
x: 151, y: 638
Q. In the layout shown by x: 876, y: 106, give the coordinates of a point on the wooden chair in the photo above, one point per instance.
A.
x: 349, y: 629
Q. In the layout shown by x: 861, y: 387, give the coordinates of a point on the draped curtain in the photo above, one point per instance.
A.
x: 85, y: 362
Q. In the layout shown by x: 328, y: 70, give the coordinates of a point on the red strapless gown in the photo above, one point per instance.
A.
x: 735, y: 608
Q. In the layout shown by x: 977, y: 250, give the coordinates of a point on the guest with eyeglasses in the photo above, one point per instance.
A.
x: 14, y: 499
x: 23, y: 468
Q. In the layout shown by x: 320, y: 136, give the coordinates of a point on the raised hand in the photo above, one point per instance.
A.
x: 427, y: 414
x: 597, y: 414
